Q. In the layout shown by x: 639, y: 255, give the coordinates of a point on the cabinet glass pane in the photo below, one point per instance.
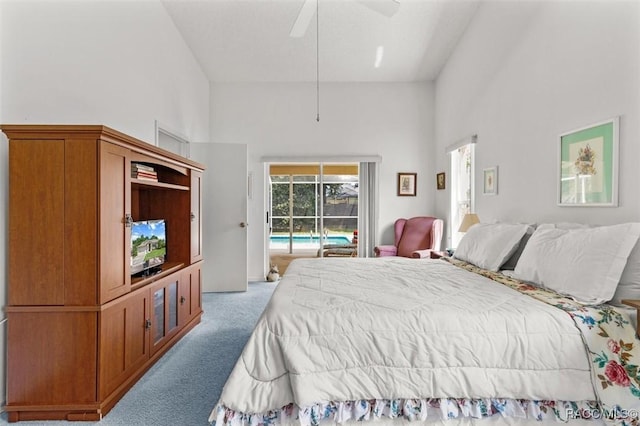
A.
x: 158, y: 314
x: 173, y: 306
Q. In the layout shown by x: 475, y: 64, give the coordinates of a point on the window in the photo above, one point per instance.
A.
x: 461, y: 187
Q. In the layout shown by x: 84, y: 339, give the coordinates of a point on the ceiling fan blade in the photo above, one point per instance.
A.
x: 387, y: 8
x: 303, y: 20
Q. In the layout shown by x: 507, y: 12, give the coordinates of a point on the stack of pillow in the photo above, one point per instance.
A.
x: 593, y: 265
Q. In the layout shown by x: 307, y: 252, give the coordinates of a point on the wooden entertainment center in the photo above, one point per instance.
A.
x: 81, y: 330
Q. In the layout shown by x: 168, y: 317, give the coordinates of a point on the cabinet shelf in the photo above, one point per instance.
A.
x: 167, y: 269
x: 150, y: 184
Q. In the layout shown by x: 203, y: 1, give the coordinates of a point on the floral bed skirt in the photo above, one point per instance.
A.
x: 410, y: 409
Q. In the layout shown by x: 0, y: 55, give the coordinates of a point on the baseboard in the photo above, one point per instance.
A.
x: 3, y: 364
x: 256, y: 279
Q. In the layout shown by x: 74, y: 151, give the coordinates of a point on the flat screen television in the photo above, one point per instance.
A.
x: 148, y: 246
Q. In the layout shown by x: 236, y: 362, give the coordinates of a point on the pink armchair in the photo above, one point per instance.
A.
x: 416, y: 237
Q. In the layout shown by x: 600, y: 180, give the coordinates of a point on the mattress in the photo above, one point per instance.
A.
x: 377, y: 332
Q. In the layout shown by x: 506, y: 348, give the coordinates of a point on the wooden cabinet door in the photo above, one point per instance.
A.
x: 196, y: 290
x: 163, y: 312
x: 115, y: 218
x: 196, y: 216
x: 190, y: 291
x: 124, y: 342
x: 51, y: 358
x: 36, y: 219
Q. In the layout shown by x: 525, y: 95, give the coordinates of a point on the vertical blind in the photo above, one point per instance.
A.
x: 368, y: 209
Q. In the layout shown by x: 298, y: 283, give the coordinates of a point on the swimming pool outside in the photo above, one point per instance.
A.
x: 277, y: 242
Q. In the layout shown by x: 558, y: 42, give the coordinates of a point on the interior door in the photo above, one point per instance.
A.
x: 224, y: 221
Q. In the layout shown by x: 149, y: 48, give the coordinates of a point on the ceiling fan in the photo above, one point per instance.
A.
x: 387, y: 8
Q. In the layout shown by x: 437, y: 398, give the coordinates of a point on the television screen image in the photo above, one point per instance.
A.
x: 148, y: 245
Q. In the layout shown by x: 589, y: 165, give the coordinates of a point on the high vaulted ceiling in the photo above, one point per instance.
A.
x: 249, y: 41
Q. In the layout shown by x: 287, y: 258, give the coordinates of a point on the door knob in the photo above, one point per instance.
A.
x: 243, y: 225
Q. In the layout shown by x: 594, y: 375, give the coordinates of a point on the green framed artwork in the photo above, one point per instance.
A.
x: 589, y: 166
x: 490, y: 178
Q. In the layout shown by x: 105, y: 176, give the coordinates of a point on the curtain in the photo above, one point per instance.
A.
x: 367, y: 209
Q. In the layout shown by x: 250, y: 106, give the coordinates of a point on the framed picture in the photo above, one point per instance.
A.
x: 588, y: 169
x: 407, y: 184
x: 490, y: 179
x: 440, y: 181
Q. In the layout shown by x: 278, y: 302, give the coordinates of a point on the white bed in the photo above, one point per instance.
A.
x: 394, y: 338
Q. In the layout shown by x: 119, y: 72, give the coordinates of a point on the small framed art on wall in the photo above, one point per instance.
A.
x: 407, y: 184
x: 490, y: 179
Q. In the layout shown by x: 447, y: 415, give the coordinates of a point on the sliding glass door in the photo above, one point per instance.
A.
x: 314, y: 209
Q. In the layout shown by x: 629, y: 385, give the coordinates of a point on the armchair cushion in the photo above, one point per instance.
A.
x: 421, y: 254
x: 385, y: 250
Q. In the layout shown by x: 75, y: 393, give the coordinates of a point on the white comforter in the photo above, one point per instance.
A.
x: 351, y: 329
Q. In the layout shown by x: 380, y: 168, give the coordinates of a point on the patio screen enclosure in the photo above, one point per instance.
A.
x: 313, y: 205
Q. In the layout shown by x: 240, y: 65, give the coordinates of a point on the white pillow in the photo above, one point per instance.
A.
x: 585, y: 263
x: 629, y: 285
x: 562, y: 225
x: 489, y: 245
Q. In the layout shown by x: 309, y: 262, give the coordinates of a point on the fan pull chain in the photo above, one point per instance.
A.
x: 318, y: 61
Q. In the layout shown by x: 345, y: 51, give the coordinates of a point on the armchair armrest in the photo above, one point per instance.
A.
x: 421, y: 254
x: 436, y: 234
x: 385, y: 250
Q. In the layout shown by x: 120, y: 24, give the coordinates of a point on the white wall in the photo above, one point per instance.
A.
x: 393, y: 120
x: 525, y: 72
x: 122, y: 64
